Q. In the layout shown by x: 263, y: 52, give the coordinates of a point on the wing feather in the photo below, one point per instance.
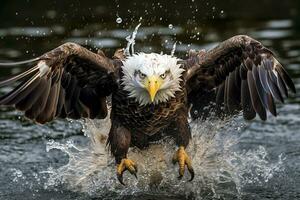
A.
x: 286, y: 78
x: 21, y: 90
x: 28, y: 99
x: 256, y: 102
x: 248, y: 110
x: 259, y: 88
x: 233, y: 100
x: 40, y: 104
x: 246, y: 74
x: 220, y: 94
x: 69, y: 81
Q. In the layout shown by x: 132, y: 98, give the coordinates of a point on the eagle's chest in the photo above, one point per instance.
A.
x: 147, y: 119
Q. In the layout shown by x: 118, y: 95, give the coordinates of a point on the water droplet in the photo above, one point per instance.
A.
x: 119, y: 20
x: 170, y: 26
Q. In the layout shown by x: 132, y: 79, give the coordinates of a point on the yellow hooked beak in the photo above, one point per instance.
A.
x: 153, y: 84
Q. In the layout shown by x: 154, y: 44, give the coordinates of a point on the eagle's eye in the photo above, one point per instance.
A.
x: 163, y: 76
x: 141, y: 75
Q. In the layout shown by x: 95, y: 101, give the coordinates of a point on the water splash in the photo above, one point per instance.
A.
x: 17, y: 175
x: 173, y: 49
x: 119, y: 20
x: 131, y: 41
x: 217, y: 161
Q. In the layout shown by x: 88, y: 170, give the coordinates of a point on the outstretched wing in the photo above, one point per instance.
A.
x: 240, y: 73
x: 69, y: 81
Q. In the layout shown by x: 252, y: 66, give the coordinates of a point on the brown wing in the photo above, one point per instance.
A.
x: 69, y: 81
x: 240, y: 73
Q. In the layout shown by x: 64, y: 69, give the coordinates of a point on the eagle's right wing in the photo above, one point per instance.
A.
x: 69, y: 81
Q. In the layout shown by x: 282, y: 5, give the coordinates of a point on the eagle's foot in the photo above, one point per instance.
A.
x: 183, y: 159
x: 126, y: 164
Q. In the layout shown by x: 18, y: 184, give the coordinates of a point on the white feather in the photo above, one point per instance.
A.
x: 43, y: 68
x: 151, y: 64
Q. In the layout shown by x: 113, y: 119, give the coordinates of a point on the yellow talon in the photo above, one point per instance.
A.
x: 183, y: 159
x: 126, y: 164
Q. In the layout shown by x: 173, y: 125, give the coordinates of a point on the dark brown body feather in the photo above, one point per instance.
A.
x: 147, y: 119
x: 144, y: 122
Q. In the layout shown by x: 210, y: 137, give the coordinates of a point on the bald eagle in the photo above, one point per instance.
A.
x: 150, y: 94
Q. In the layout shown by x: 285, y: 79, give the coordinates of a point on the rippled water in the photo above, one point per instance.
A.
x: 232, y: 158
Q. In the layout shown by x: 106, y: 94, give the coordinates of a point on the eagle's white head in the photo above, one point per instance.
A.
x: 151, y: 78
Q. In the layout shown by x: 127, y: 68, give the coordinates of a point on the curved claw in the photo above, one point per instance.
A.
x: 192, y: 173
x: 191, y: 170
x: 135, y: 171
x: 180, y: 177
x: 120, y: 178
x: 183, y: 159
x: 126, y: 164
x: 135, y: 175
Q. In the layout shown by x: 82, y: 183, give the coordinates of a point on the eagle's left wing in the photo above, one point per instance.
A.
x: 67, y: 82
x: 239, y: 74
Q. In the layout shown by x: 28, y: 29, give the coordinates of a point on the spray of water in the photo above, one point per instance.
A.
x: 173, y: 48
x: 131, y: 41
x: 217, y: 161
